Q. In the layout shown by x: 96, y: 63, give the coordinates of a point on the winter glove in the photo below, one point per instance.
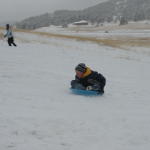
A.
x: 89, y: 88
x: 76, y: 85
x: 95, y: 87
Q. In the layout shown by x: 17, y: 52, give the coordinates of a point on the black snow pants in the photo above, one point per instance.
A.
x: 11, y: 41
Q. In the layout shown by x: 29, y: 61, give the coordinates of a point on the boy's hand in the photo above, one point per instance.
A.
x: 89, y: 88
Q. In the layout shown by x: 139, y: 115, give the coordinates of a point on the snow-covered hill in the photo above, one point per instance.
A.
x: 38, y: 112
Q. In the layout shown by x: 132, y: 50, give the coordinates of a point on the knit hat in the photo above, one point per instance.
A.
x: 81, y: 67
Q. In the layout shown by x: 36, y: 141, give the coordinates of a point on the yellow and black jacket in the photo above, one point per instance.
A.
x: 91, y: 78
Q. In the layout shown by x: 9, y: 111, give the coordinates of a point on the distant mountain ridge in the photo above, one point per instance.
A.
x: 132, y: 10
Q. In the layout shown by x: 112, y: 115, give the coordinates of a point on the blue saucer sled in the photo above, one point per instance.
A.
x: 85, y: 92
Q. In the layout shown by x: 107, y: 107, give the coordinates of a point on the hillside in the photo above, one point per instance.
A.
x: 108, y: 11
x: 38, y: 111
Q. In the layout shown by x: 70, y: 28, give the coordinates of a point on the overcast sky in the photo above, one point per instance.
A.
x: 16, y: 10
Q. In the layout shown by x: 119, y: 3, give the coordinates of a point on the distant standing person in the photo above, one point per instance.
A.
x: 9, y: 35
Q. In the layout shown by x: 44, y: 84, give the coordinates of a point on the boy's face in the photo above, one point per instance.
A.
x: 79, y: 74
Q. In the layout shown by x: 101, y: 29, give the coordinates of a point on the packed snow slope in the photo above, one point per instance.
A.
x: 38, y: 112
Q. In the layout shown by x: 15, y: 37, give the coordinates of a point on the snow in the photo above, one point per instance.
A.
x: 140, y: 29
x: 37, y: 110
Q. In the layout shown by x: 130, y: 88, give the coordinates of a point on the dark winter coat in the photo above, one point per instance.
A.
x: 91, y: 79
